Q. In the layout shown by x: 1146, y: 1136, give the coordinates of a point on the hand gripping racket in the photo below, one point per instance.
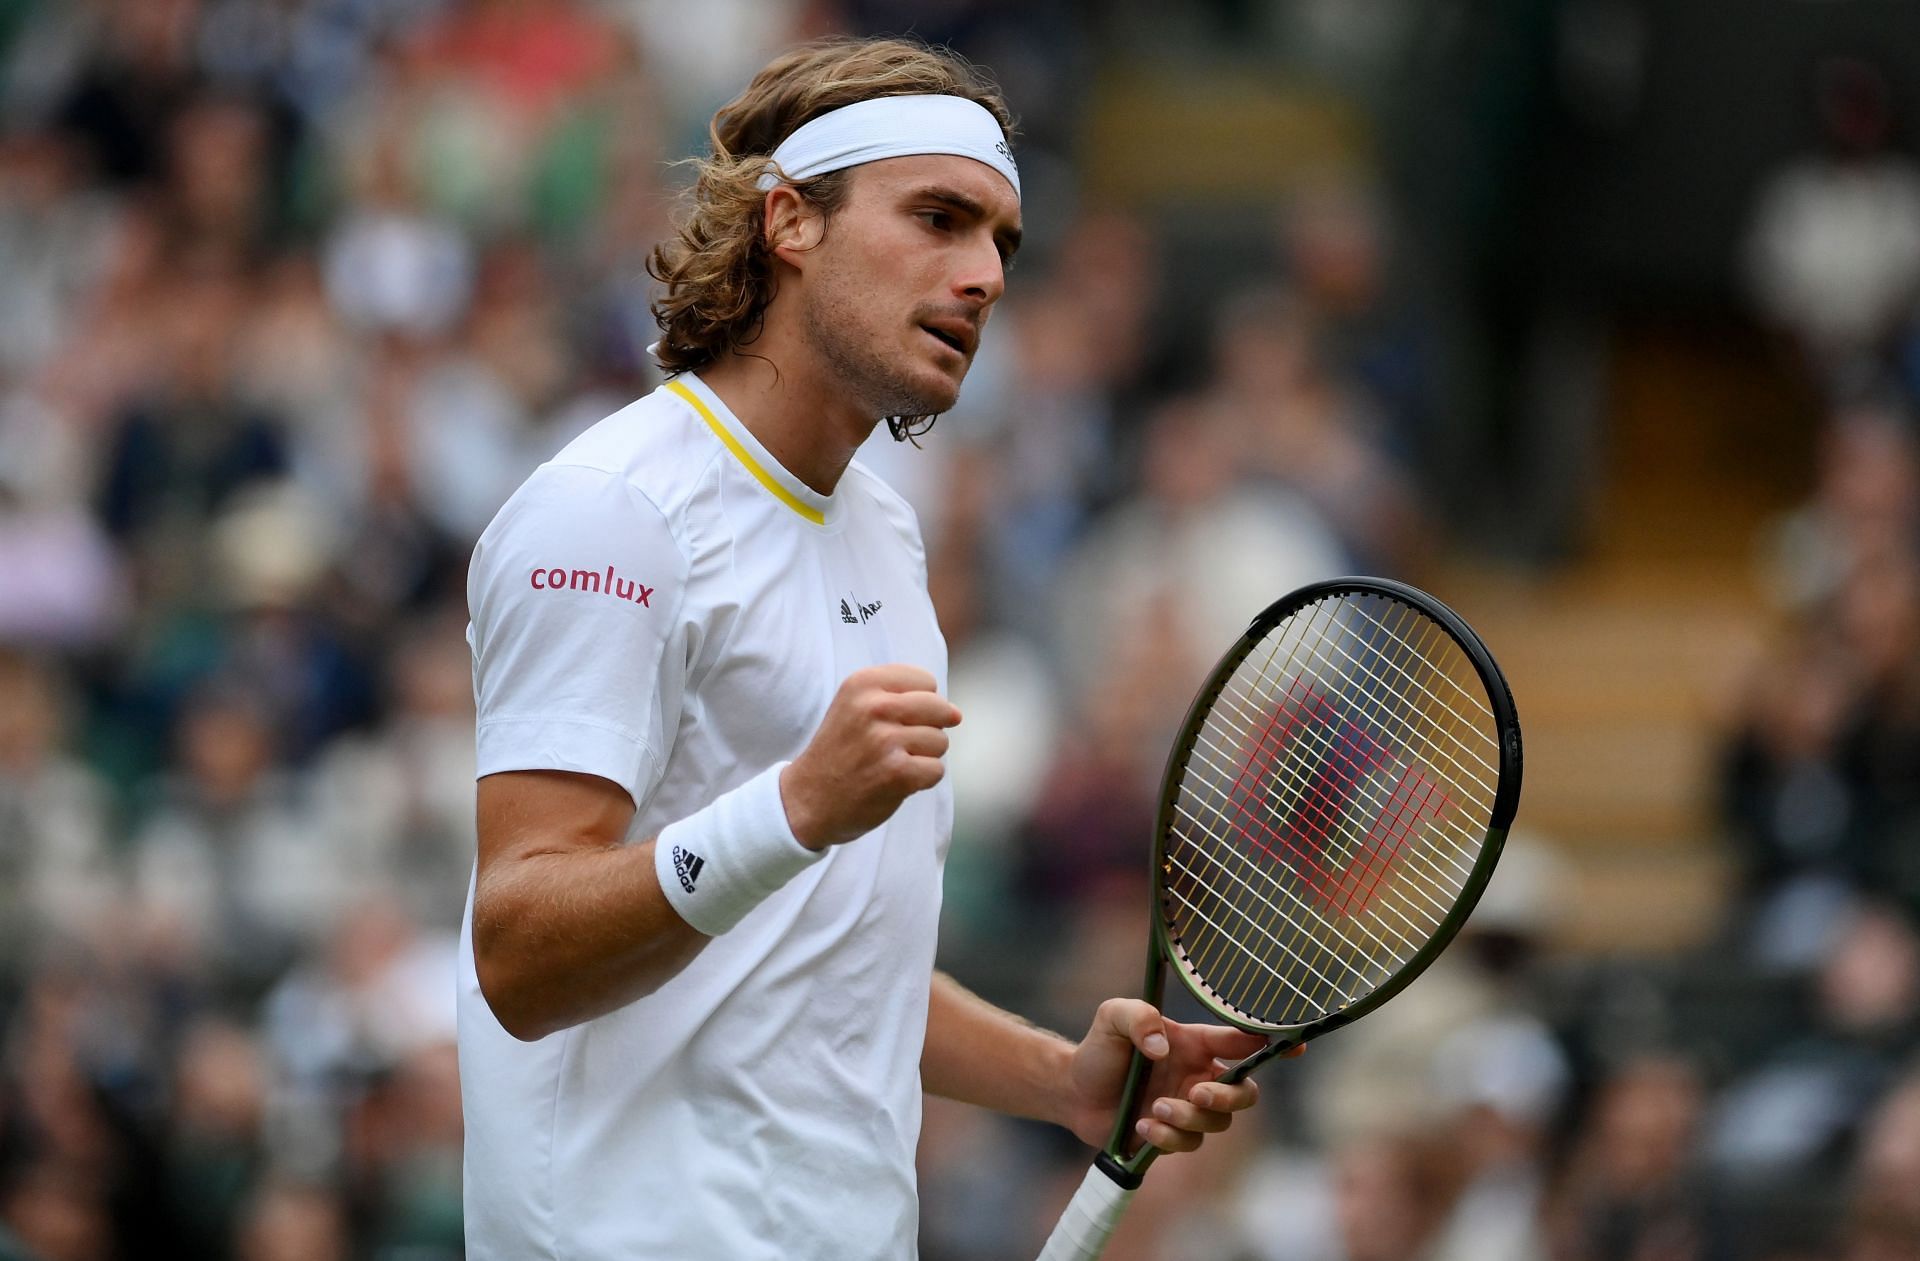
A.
x: 1333, y: 807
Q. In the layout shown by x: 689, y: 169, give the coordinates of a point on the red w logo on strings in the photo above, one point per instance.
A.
x: 1309, y: 777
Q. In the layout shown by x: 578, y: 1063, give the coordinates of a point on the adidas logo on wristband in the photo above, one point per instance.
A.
x: 687, y: 865
x: 750, y: 853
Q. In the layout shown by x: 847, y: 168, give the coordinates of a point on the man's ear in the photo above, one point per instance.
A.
x: 794, y: 224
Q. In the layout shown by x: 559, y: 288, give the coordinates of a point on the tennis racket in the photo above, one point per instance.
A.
x: 1332, y: 808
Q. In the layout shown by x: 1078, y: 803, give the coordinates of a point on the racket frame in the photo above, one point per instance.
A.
x: 1163, y: 954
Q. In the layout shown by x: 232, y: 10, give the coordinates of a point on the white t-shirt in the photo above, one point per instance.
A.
x: 664, y: 606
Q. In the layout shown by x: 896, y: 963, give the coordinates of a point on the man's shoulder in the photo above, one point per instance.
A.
x: 650, y: 443
x: 631, y: 473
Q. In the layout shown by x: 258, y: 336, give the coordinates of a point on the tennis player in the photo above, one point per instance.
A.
x: 698, y: 1004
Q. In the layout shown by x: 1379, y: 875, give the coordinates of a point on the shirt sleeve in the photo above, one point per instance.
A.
x: 575, y: 593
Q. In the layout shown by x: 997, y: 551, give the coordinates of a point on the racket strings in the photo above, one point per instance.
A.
x: 1229, y: 977
x: 1325, y: 934
x: 1418, y: 737
x: 1430, y: 631
x: 1258, y: 958
x: 1420, y: 742
x: 1347, y: 950
x: 1404, y: 715
x: 1212, y: 828
x: 1365, y: 879
x: 1465, y: 772
x: 1427, y: 866
x: 1341, y: 949
x: 1369, y: 875
x: 1420, y: 930
x: 1280, y: 914
x: 1319, y: 809
x: 1331, y: 809
x: 1326, y: 953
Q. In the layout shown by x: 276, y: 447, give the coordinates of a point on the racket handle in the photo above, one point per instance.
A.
x: 1090, y: 1218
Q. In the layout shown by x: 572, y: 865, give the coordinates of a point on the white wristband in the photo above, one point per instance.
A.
x: 718, y: 863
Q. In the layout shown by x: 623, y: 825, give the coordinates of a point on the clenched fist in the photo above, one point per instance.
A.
x: 881, y: 742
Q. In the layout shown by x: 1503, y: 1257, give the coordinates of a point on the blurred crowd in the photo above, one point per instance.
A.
x: 293, y: 293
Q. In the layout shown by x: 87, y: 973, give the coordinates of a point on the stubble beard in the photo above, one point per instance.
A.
x: 880, y: 385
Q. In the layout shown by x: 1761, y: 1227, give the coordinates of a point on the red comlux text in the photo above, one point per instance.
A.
x: 594, y: 580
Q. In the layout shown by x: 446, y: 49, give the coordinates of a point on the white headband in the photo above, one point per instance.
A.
x: 893, y: 127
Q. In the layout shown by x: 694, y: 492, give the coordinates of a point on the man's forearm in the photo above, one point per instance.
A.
x: 560, y: 938
x: 977, y: 1053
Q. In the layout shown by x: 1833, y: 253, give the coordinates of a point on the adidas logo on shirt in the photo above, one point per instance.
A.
x: 853, y: 612
x: 687, y: 865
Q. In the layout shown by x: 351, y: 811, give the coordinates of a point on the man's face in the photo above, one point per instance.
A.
x: 896, y: 294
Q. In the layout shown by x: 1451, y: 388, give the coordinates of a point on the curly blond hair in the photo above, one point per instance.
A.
x: 716, y: 269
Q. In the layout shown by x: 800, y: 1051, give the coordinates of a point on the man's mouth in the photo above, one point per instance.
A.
x: 945, y: 337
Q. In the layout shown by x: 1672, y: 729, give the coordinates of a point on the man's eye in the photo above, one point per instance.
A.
x: 938, y: 220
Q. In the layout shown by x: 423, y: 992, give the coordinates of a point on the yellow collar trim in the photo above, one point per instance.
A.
x: 745, y: 456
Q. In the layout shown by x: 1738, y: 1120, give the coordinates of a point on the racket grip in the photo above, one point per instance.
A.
x: 1091, y: 1215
